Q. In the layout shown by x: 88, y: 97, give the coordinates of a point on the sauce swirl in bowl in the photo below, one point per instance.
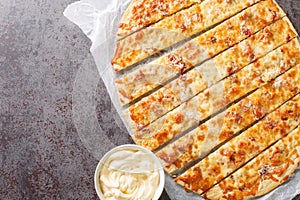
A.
x: 129, y: 172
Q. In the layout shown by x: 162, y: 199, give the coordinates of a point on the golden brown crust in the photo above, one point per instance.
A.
x: 266, y: 69
x: 266, y: 87
x: 185, y: 87
x: 173, y: 29
x: 264, y: 173
x: 244, y: 147
x: 149, y: 76
x: 248, y: 110
x: 211, y: 101
x: 141, y: 13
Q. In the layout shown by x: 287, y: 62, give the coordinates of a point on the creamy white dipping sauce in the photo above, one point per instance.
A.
x: 129, y: 175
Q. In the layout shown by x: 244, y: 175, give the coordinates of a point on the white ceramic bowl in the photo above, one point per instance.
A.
x: 103, y: 160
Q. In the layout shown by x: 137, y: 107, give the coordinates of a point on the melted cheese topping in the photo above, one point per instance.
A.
x: 176, y: 28
x: 270, y: 66
x: 239, y: 116
x: 176, y: 92
x: 212, y: 100
x: 129, y: 175
x: 242, y: 148
x: 262, y: 174
x: 155, y: 119
x: 149, y: 76
x: 141, y: 13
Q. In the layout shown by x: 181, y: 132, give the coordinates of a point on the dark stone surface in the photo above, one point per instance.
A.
x: 42, y: 156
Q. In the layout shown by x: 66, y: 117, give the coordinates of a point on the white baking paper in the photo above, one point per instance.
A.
x: 98, y: 19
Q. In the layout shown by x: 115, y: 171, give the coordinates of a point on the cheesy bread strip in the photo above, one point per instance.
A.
x: 218, y: 96
x: 262, y: 174
x: 141, y: 13
x: 197, y: 143
x: 242, y: 148
x: 203, y: 47
x: 184, y: 24
x: 180, y: 90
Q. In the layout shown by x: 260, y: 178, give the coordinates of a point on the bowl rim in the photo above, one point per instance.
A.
x: 100, y: 164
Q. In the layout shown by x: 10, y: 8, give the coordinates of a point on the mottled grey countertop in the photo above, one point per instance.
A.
x: 41, y: 52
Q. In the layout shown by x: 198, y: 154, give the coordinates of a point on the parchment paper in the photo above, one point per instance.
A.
x: 99, y: 19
